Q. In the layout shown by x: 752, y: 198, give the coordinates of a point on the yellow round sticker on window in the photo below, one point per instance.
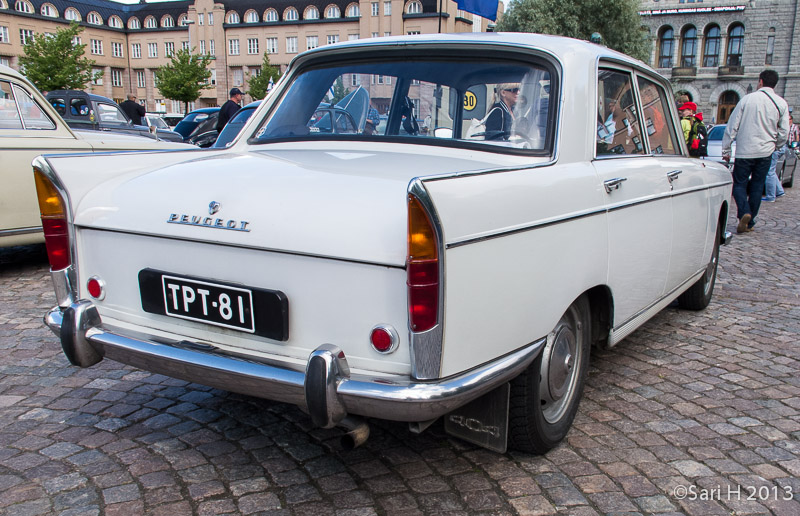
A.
x: 470, y: 101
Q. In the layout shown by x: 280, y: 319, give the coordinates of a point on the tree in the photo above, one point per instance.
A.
x: 55, y: 63
x: 617, y: 21
x: 339, y: 91
x: 183, y: 77
x: 258, y: 84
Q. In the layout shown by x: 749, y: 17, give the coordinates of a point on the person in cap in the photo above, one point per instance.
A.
x: 133, y: 109
x: 230, y: 107
x: 687, y: 111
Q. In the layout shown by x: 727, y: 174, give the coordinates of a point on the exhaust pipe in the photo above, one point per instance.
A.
x: 357, y: 432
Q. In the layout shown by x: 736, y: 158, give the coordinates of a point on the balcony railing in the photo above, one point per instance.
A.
x: 684, y: 71
x: 730, y: 71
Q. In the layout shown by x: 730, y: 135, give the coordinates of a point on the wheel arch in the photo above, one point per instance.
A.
x: 601, y: 306
x: 722, y: 221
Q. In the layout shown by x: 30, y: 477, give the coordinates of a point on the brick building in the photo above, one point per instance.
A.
x: 129, y: 42
x: 713, y: 50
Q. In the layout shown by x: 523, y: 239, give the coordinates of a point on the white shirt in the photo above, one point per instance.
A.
x: 757, y: 125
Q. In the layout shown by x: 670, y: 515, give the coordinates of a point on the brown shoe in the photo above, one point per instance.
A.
x: 743, y: 222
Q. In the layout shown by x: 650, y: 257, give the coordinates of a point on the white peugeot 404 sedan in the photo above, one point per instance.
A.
x: 528, y: 197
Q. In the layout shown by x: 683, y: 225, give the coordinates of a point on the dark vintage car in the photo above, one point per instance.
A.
x: 199, y: 127
x: 235, y: 124
x: 83, y: 110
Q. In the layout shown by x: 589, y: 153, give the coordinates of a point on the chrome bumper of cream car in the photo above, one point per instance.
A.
x: 326, y: 388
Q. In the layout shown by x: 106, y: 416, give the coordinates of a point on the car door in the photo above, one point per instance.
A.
x: 691, y: 220
x: 637, y: 199
x: 28, y: 128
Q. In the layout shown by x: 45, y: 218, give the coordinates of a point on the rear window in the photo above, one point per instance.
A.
x: 716, y: 132
x: 484, y: 101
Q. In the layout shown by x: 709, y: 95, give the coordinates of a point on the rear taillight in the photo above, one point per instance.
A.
x: 422, y: 266
x: 54, y: 222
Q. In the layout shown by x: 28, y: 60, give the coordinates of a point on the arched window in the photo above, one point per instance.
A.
x: 167, y: 21
x: 711, y: 46
x: 251, y: 17
x: 233, y: 17
x: 735, y: 45
x: 115, y: 21
x: 311, y: 13
x: 134, y: 23
x: 353, y: 11
x: 150, y: 22
x: 332, y: 11
x: 3, y: 4
x: 183, y: 19
x: 689, y: 47
x: 94, y: 18
x: 271, y: 15
x: 21, y: 6
x: 414, y: 7
x: 290, y: 14
x: 49, y: 10
x: 72, y: 14
x: 665, y: 43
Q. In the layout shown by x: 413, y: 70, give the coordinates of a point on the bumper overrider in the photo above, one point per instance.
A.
x: 326, y: 389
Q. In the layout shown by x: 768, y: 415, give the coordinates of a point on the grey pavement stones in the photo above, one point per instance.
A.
x: 705, y: 402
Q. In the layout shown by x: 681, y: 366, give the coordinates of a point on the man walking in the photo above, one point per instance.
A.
x: 229, y: 108
x: 133, y: 109
x: 760, y: 125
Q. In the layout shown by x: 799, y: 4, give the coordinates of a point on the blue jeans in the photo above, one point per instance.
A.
x: 749, y: 176
x: 774, y: 188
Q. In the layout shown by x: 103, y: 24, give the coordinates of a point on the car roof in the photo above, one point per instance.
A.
x: 205, y: 110
x: 92, y: 96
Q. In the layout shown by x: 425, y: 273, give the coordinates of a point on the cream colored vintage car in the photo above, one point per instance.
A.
x: 29, y: 126
x: 528, y: 197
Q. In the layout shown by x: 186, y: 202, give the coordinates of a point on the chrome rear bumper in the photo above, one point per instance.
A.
x: 326, y: 389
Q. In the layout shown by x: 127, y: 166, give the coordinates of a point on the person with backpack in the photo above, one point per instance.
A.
x: 695, y: 132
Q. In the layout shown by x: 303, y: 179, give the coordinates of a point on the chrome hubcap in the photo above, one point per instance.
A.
x: 560, y: 363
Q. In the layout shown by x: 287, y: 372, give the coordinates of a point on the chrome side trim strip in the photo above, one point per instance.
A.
x: 394, y: 398
x: 20, y: 231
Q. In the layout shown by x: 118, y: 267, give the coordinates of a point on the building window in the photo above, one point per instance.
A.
x: 211, y: 18
x: 272, y: 45
x: 98, y: 77
x: 375, y: 35
x: 333, y: 38
x: 770, y: 46
x: 689, y: 47
x: 312, y: 13
x: 233, y: 47
x: 185, y: 45
x: 202, y: 47
x: 22, y: 6
x: 152, y: 50
x: 140, y: 78
x: 94, y: 18
x: 291, y: 45
x: 201, y: 18
x: 312, y: 42
x: 251, y: 17
x: 136, y: 50
x: 414, y: 7
x: 271, y: 15
x: 238, y: 77
x: 169, y: 48
x: 233, y: 17
x: 211, y: 50
x: 115, y: 22
x: 355, y: 80
x: 97, y: 47
x: 167, y: 21
x: 412, y: 32
x: 352, y: 37
x: 116, y: 49
x: 665, y: 43
x: 150, y: 22
x: 49, y: 11
x: 116, y: 77
x: 353, y: 11
x: 735, y: 46
x: 252, y: 45
x: 134, y: 23
x: 375, y: 8
x: 387, y: 33
x: 711, y: 47
x: 387, y: 8
x: 290, y: 14
x: 76, y: 40
x: 25, y: 35
x: 72, y: 14
x: 213, y: 78
x: 332, y: 11
x: 183, y: 20
x: 4, y: 61
x: 4, y: 35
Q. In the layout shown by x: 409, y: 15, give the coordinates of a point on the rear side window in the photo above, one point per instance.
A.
x: 9, y: 116
x: 618, y: 128
x: 78, y: 107
x: 59, y: 105
x: 32, y: 114
x: 658, y: 121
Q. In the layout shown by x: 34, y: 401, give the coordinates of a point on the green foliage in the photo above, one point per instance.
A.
x: 258, y: 84
x: 54, y: 63
x: 618, y: 22
x: 339, y: 91
x: 184, y: 77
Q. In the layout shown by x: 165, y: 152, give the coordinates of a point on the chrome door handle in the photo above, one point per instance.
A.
x: 613, y: 184
x: 672, y: 176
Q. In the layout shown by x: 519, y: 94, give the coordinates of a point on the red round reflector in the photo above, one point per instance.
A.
x: 95, y: 288
x: 382, y: 339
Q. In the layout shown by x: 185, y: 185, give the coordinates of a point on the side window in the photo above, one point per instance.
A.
x: 618, y: 130
x: 657, y: 119
x: 111, y: 114
x: 78, y: 107
x: 32, y: 115
x: 9, y: 116
x: 59, y: 105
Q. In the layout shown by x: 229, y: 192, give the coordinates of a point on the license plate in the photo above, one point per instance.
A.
x: 257, y: 311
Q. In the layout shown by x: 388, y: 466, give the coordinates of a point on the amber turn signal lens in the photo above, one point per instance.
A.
x: 54, y: 222
x: 421, y: 240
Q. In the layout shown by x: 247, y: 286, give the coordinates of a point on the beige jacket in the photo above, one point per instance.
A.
x: 757, y: 125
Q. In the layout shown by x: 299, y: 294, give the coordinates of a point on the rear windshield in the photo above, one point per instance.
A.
x: 716, y: 132
x: 484, y: 101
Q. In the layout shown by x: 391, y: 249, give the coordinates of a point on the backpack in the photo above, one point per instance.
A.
x: 698, y: 139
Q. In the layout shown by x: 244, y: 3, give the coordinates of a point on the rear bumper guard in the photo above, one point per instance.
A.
x: 326, y: 389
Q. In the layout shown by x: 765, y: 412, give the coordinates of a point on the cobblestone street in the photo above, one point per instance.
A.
x: 695, y: 413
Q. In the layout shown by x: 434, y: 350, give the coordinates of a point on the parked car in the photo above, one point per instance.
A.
x: 715, y: 145
x: 29, y: 126
x: 155, y: 120
x: 88, y: 111
x: 199, y: 127
x: 172, y: 119
x: 785, y: 167
x: 404, y: 276
x: 235, y: 124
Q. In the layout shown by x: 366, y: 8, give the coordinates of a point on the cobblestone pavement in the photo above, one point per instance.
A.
x: 689, y: 403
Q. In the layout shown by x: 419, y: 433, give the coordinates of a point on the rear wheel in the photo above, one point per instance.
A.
x: 545, y: 397
x: 699, y: 295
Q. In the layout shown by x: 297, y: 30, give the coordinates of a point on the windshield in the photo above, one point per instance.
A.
x: 494, y: 102
x: 233, y: 127
x: 716, y: 132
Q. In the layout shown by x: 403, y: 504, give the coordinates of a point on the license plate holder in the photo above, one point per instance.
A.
x: 250, y: 310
